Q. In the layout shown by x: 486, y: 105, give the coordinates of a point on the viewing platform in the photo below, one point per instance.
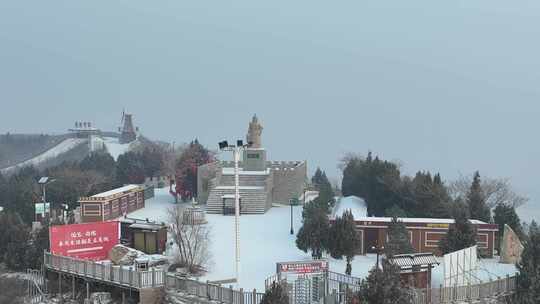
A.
x: 122, y: 276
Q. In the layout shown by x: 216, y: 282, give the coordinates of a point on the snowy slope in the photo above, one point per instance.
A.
x: 55, y: 151
x: 114, y: 148
x: 356, y: 205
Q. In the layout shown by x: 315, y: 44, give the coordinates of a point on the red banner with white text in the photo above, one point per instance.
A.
x: 85, y: 241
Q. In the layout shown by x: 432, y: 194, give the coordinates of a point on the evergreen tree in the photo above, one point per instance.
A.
x: 275, y: 295
x: 461, y: 234
x: 477, y: 201
x: 322, y: 184
x: 38, y: 242
x: 130, y: 168
x: 395, y: 211
x: 398, y: 239
x: 383, y: 287
x: 343, y: 239
x: 194, y: 156
x: 21, y: 193
x: 505, y: 214
x: 100, y: 162
x: 528, y: 281
x: 13, y: 241
x: 313, y: 235
x: 376, y: 181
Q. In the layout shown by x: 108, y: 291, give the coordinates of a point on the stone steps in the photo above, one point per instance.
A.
x: 253, y: 201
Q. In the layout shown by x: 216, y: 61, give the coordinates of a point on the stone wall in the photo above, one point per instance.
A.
x: 288, y: 180
x: 208, y: 176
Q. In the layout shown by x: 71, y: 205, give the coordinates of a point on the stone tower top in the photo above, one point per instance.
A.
x: 254, y: 132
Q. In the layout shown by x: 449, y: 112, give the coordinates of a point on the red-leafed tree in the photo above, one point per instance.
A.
x: 186, y: 169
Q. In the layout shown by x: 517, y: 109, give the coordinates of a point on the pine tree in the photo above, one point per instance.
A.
x: 314, y: 233
x: 398, y: 239
x: 343, y: 239
x: 13, y: 241
x: 186, y: 169
x: 477, y: 201
x: 383, y: 287
x: 505, y: 214
x: 461, y: 234
x: 528, y: 281
x: 276, y: 294
x: 130, y: 169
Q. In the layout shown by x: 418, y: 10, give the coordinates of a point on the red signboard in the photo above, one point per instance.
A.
x: 86, y: 241
x: 316, y: 266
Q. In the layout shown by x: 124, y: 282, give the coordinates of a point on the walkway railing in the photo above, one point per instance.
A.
x: 213, y: 292
x: 493, y: 288
x: 118, y: 275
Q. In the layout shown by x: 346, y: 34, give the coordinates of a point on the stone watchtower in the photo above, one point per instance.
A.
x: 255, y: 155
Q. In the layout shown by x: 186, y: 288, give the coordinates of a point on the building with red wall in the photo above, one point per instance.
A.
x: 111, y: 204
x: 424, y: 233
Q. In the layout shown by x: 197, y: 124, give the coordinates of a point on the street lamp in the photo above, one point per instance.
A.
x: 378, y: 250
x: 291, y: 203
x: 224, y: 146
x: 44, y: 181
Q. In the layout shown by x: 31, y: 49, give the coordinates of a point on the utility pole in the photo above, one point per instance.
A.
x: 224, y: 146
x: 291, y: 203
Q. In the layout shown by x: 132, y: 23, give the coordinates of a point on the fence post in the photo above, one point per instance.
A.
x: 241, y: 296
x: 153, y: 276
x: 507, y: 283
x: 232, y: 294
x: 441, y: 293
x: 208, y: 290
x: 469, y: 291
x: 254, y: 296
x: 499, y: 281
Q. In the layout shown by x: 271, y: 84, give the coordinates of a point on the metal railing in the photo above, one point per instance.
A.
x: 118, y: 275
x: 213, y: 292
x: 441, y: 295
x: 36, y: 287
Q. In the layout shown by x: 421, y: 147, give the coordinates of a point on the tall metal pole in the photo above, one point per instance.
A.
x: 292, y: 230
x: 237, y: 210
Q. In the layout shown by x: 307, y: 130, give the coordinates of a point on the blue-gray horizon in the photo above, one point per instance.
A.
x: 447, y: 87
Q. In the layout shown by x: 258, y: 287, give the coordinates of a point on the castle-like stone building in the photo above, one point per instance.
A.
x: 262, y: 182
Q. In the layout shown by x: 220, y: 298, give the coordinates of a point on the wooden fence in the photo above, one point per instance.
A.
x: 213, y: 292
x: 469, y: 293
x: 118, y: 275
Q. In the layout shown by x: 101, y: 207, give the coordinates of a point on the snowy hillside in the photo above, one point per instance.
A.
x: 63, y: 147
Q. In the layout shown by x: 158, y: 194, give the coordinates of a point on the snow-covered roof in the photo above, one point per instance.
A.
x: 413, y: 220
x: 230, y: 171
x: 356, y: 205
x: 117, y: 190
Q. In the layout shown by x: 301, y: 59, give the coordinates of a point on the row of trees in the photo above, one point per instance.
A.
x: 387, y: 192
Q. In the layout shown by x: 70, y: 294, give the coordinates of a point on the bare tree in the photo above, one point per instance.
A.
x: 192, y: 240
x: 496, y: 191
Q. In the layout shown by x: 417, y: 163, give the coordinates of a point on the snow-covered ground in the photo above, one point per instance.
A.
x: 356, y: 205
x: 266, y: 239
x: 63, y: 147
x: 115, y: 148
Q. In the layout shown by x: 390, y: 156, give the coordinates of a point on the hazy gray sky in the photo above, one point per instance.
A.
x: 450, y: 86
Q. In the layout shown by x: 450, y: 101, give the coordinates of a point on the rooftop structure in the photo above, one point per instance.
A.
x: 262, y: 183
x: 111, y: 204
x: 127, y: 131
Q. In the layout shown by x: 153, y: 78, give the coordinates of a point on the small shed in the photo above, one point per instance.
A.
x: 415, y: 268
x: 148, y: 237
